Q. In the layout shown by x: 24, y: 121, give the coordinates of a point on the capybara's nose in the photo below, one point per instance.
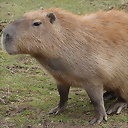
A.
x: 7, y: 36
x: 7, y: 39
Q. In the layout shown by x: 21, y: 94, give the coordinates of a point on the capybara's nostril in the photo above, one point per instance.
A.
x: 8, y: 36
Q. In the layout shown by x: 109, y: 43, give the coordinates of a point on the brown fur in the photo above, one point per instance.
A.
x: 110, y: 34
x: 89, y: 50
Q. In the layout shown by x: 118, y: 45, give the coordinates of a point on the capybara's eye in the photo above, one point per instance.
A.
x: 36, y: 24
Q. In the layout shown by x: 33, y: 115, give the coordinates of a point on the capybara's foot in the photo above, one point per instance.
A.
x: 63, y: 91
x: 57, y: 110
x: 109, y: 96
x: 95, y: 94
x: 98, y: 119
x: 117, y: 106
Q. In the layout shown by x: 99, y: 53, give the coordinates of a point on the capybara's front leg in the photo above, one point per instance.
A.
x: 95, y: 94
x: 63, y: 92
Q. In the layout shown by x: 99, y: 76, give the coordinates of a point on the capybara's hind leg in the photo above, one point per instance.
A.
x: 96, y: 96
x: 117, y: 106
x: 109, y: 95
x: 63, y: 92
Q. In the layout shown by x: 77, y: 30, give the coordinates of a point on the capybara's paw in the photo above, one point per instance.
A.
x: 56, y: 110
x: 116, y: 107
x: 98, y: 119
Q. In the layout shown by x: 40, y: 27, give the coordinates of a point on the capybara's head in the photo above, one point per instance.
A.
x: 31, y: 32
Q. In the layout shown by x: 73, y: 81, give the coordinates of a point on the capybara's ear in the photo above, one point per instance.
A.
x: 51, y: 17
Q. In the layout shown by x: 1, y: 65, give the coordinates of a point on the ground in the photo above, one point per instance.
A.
x: 28, y: 92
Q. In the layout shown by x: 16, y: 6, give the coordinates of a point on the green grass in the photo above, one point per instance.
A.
x: 28, y: 92
x: 15, y: 8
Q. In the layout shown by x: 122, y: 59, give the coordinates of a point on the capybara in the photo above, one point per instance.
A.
x: 87, y: 51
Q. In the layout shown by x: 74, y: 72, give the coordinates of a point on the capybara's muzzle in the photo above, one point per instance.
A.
x: 8, y: 37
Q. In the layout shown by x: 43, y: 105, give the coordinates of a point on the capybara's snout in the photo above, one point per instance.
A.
x: 9, y: 36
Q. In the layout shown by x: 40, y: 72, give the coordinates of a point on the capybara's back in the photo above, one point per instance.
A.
x: 88, y: 51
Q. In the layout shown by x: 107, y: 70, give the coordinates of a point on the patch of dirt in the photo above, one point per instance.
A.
x: 12, y: 111
x: 16, y: 68
x: 62, y: 125
x: 4, y: 101
x: 45, y: 123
